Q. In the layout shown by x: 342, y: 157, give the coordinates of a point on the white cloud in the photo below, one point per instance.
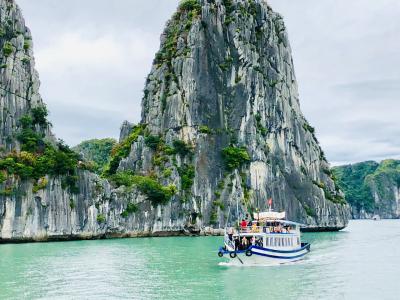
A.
x: 78, y: 51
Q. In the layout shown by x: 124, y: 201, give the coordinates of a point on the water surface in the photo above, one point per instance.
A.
x: 361, y: 262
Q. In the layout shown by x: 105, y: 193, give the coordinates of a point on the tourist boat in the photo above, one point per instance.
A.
x: 269, y: 240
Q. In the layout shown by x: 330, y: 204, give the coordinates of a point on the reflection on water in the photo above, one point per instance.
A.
x: 361, y: 262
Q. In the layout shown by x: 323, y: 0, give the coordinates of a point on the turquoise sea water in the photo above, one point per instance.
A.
x: 361, y: 262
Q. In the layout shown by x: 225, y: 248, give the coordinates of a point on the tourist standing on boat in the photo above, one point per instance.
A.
x: 245, y: 243
x: 243, y: 224
x: 230, y: 234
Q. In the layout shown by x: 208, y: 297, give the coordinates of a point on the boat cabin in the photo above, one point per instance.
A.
x: 266, y: 230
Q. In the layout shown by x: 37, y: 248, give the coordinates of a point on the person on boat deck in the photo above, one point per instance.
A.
x: 254, y: 227
x: 230, y: 233
x: 237, y: 243
x: 288, y: 229
x: 253, y: 240
x: 245, y: 243
x: 243, y: 224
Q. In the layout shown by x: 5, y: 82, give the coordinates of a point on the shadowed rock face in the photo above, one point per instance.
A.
x: 223, y: 77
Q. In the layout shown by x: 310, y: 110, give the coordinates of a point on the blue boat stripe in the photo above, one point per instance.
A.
x: 280, y: 257
x: 280, y: 251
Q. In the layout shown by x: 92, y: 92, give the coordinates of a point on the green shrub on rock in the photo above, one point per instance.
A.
x: 187, y: 174
x: 131, y: 208
x: 122, y: 149
x: 153, y: 141
x: 181, y: 148
x: 190, y: 5
x: 235, y: 157
x: 7, y: 49
x: 205, y: 129
x: 101, y: 219
x: 155, y: 191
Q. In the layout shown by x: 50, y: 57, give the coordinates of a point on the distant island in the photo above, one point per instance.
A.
x: 371, y: 188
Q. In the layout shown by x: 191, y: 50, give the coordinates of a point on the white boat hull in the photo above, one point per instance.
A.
x: 257, y: 256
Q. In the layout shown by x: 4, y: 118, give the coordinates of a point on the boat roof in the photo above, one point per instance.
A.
x: 273, y: 216
x: 266, y: 215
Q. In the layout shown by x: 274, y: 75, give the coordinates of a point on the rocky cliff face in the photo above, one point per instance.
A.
x: 371, y: 188
x: 221, y: 132
x: 224, y: 80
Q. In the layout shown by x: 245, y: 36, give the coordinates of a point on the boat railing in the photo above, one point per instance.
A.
x: 264, y: 229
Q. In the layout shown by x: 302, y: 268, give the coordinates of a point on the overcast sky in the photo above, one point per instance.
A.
x: 93, y: 57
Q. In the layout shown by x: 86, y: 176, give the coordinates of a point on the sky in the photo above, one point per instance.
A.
x: 93, y: 57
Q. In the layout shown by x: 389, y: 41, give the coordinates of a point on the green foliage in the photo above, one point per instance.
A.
x: 7, y: 191
x: 218, y: 203
x: 228, y: 6
x: 187, y: 174
x: 3, y: 177
x: 213, y: 217
x: 235, y: 157
x: 96, y: 151
x: 71, y: 203
x: 155, y: 192
x: 259, y: 126
x: 309, y: 128
x: 386, y: 176
x: 39, y: 115
x: 124, y: 178
x: 309, y: 211
x: 38, y: 157
x: 167, y: 173
x: 321, y: 185
x: 131, y: 208
x: 153, y: 141
x: 359, y: 181
x: 101, y: 218
x: 27, y: 44
x: 122, y: 150
x: 205, y: 129
x: 181, y: 148
x: 352, y: 181
x: 7, y: 49
x: 40, y: 185
x: 190, y: 5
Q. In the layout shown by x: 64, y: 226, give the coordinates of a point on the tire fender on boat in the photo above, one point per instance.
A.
x: 220, y: 254
x: 232, y: 254
x: 249, y: 252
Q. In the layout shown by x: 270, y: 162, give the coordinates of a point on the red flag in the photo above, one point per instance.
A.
x: 270, y: 201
